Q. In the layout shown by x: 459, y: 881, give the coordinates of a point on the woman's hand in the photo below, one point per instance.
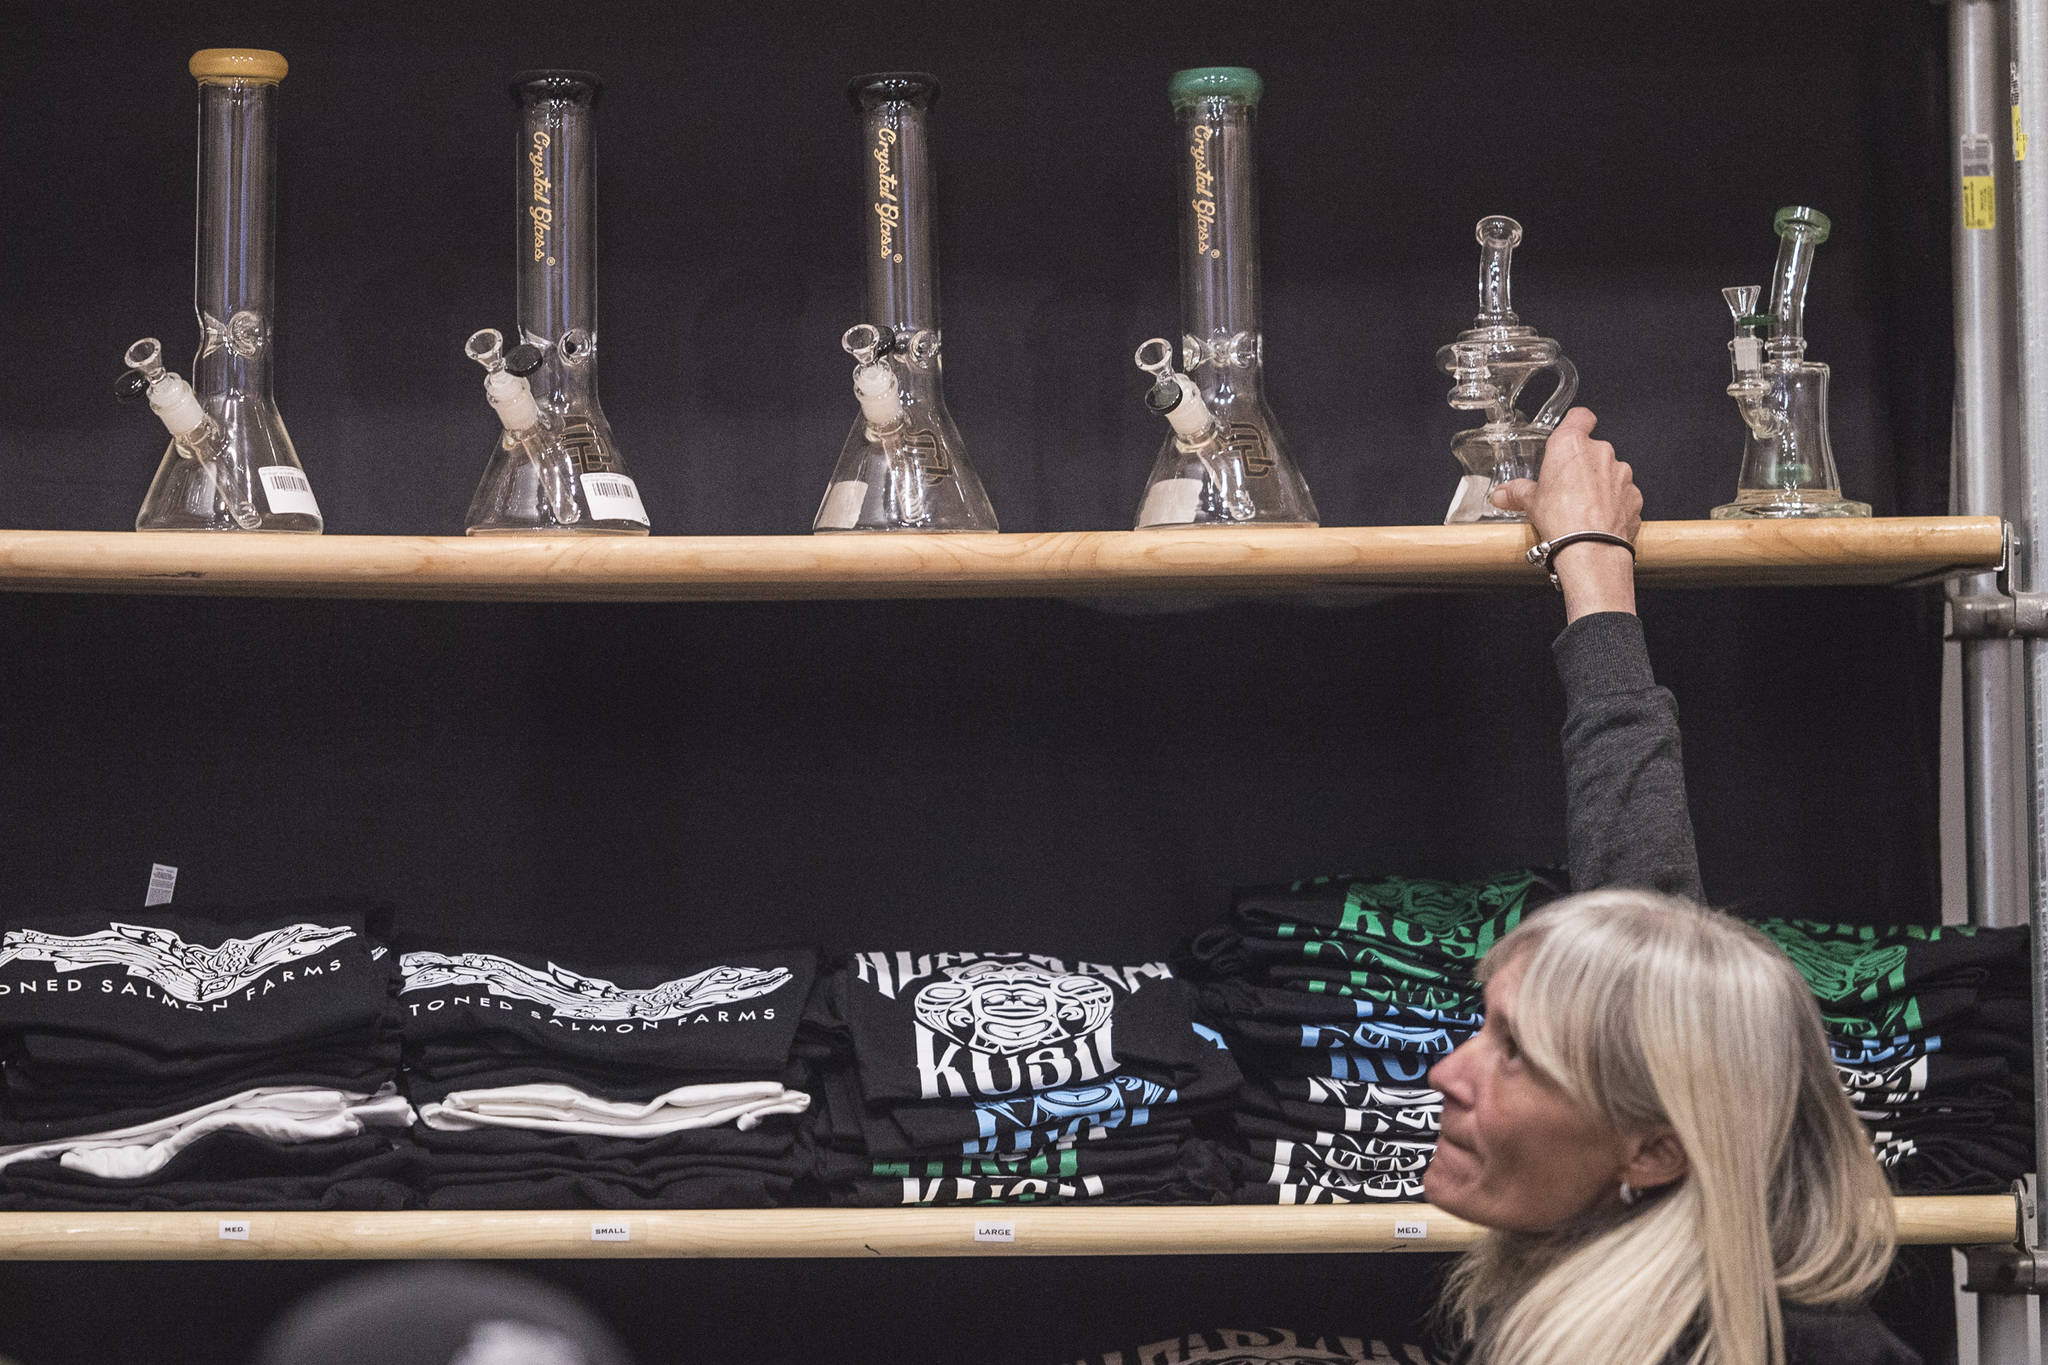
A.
x: 1583, y: 488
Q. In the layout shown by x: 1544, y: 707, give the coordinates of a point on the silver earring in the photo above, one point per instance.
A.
x: 1629, y: 1194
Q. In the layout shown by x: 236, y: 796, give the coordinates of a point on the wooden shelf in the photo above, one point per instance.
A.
x: 1051, y: 564
x: 556, y: 1234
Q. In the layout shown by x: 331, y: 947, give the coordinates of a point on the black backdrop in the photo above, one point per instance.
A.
x: 1060, y: 776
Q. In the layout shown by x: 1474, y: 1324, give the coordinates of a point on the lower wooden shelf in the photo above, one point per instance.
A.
x: 1049, y: 564
x: 697, y: 1233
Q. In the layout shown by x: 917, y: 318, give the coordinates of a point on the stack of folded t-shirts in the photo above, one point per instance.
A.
x: 1929, y: 1028
x: 639, y: 1085
x: 217, y: 1057
x: 1337, y: 995
x: 987, y: 1078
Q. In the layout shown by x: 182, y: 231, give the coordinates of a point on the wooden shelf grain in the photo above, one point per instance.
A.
x: 1051, y: 564
x: 815, y: 1233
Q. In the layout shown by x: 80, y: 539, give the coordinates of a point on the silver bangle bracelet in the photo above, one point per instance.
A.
x: 1544, y: 552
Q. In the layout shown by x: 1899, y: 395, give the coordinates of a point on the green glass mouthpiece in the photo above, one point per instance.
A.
x: 1810, y: 224
x: 1215, y: 82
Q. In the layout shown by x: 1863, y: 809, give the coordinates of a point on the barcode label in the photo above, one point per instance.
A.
x: 842, y: 505
x: 613, y: 497
x: 1979, y: 196
x: 611, y: 1232
x: 288, y: 490
x: 1171, y: 502
x: 986, y: 1231
x: 236, y: 1230
x: 162, y: 882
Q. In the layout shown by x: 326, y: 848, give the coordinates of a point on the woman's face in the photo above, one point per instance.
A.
x: 1515, y: 1154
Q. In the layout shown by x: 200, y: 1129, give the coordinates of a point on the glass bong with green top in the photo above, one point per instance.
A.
x: 1224, y: 462
x: 1788, y: 469
x: 1490, y: 363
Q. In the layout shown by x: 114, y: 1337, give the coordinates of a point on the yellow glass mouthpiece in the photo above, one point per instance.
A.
x: 237, y: 64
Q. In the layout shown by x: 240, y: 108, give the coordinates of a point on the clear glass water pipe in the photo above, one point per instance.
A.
x: 903, y: 467
x: 1490, y: 363
x: 555, y: 467
x: 1788, y: 467
x: 230, y: 465
x: 1224, y: 462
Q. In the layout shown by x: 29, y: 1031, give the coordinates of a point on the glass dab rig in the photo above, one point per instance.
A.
x: 1490, y: 363
x: 230, y: 465
x: 1788, y: 468
x: 555, y: 467
x: 1224, y: 462
x: 903, y: 467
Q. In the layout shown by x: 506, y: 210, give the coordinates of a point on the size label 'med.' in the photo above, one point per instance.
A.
x: 163, y: 881
x: 613, y: 497
x: 1411, y: 1231
x: 234, y: 1230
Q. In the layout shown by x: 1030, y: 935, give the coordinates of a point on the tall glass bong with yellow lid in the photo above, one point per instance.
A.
x: 555, y: 468
x: 1224, y: 462
x: 230, y: 465
x: 903, y: 467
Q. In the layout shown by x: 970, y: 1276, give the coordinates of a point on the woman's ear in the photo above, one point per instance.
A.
x: 1655, y: 1159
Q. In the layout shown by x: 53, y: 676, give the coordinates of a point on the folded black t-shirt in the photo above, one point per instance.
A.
x: 243, y: 978
x: 993, y: 1026
x: 731, y: 1016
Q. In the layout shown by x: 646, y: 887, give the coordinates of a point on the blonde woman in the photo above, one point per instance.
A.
x: 1651, y: 1127
x: 1649, y: 1122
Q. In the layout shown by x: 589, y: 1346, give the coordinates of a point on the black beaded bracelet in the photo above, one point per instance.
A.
x: 1544, y: 552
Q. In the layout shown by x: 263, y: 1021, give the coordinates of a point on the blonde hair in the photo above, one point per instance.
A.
x: 1650, y: 1011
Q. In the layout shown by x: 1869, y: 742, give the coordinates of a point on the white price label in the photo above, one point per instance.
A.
x: 986, y: 1231
x: 162, y: 882
x: 288, y: 490
x: 1171, y: 502
x: 843, y: 502
x: 613, y: 497
x: 1469, y: 502
x: 1409, y: 1232
x: 611, y: 1232
x: 236, y: 1230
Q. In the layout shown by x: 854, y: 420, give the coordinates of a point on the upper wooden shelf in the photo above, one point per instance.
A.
x: 1049, y: 564
x: 554, y: 1234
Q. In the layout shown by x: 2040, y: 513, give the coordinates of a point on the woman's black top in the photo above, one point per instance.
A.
x: 1818, y: 1336
x: 1626, y: 821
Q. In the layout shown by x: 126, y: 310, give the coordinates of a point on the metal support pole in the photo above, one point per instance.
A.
x: 1981, y: 231
x: 2030, y: 240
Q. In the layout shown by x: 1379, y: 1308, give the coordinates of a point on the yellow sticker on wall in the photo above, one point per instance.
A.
x: 1980, y: 191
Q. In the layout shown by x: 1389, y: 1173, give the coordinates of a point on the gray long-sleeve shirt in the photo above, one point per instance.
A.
x: 1626, y: 818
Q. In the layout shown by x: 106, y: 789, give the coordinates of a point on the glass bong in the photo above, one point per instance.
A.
x: 1491, y: 362
x: 555, y: 467
x: 1788, y: 469
x: 1224, y: 462
x: 230, y: 465
x: 903, y: 467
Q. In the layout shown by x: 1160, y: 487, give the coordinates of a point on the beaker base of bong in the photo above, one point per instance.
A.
x: 1781, y: 504
x: 925, y: 485
x: 1243, y: 486
x: 185, y: 497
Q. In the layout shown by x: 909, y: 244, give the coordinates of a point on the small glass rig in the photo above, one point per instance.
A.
x: 903, y: 467
x: 230, y: 465
x: 1224, y: 462
x: 555, y: 468
x: 1490, y: 363
x: 1788, y: 468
